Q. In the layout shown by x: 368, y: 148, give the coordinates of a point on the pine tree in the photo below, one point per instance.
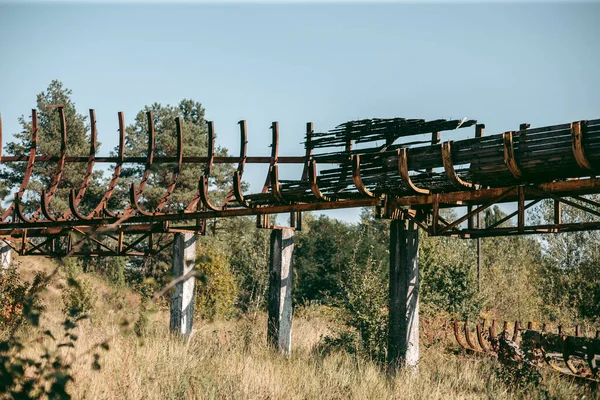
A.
x: 49, y: 144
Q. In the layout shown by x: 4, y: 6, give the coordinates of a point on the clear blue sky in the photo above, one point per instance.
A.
x: 326, y: 63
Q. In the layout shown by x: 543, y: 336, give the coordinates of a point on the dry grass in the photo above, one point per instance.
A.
x: 229, y: 360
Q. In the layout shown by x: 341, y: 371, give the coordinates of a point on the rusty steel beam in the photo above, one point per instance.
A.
x: 453, y: 199
x: 114, y: 222
x: 450, y: 171
x: 169, y: 159
x: 48, y: 193
x: 381, y: 177
x: 74, y: 200
x: 403, y: 172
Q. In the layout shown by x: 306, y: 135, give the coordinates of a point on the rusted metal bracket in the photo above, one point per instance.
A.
x: 237, y: 176
x: 509, y: 155
x: 102, y: 207
x: 403, y: 171
x: 28, y: 169
x: 356, y: 178
x: 577, y: 132
x: 449, y: 168
x: 48, y: 194
x: 314, y: 186
x: 74, y: 200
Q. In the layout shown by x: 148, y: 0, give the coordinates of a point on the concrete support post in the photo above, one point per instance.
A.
x: 403, y: 338
x: 279, y: 333
x: 182, y: 300
x: 5, y: 256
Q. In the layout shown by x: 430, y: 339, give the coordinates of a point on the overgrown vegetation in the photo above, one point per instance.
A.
x: 340, y: 295
x: 230, y: 359
x: 39, y: 365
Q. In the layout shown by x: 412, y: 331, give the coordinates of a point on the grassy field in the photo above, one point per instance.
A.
x: 229, y: 360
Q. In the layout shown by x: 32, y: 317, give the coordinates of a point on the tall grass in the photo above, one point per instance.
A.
x: 230, y: 360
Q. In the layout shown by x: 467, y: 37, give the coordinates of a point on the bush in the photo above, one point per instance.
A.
x: 365, y: 300
x: 216, y: 288
x: 448, y: 278
x: 17, y: 299
x: 24, y: 372
x: 78, y: 298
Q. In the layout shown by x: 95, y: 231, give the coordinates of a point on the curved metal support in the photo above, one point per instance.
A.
x: 274, y: 154
x: 356, y: 178
x: 567, y: 354
x: 75, y: 200
x: 577, y: 131
x: 276, y: 189
x: 243, y: 145
x: 309, y: 150
x: 133, y: 206
x: 28, y: 168
x: 134, y: 195
x: 176, y: 169
x: 19, y: 210
x: 449, y: 168
x: 480, y: 339
x: 314, y: 186
x: 492, y: 330
x: 203, y: 183
x: 74, y: 210
x: 203, y: 190
x: 211, y: 148
x: 457, y: 336
x: 150, y: 152
x: 237, y: 175
x: 103, y: 204
x: 509, y: 155
x: 45, y: 208
x: 134, y: 198
x: 237, y: 189
x: 516, y: 328
x: 48, y: 194
x: 468, y: 336
x: 403, y: 171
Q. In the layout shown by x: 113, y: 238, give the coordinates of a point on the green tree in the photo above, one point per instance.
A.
x: 448, y: 280
x: 323, y: 249
x: 570, y: 275
x: 248, y: 249
x: 49, y: 144
x: 216, y: 289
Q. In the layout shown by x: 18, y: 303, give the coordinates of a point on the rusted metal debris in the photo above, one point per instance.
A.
x: 384, y: 163
x: 573, y: 355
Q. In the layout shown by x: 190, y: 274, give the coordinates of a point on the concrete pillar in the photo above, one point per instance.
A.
x: 279, y: 333
x: 5, y: 256
x: 403, y: 338
x: 182, y: 300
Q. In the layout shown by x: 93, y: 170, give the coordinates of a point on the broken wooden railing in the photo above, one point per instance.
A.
x: 574, y: 355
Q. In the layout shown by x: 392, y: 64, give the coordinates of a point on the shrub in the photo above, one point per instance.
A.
x: 365, y: 301
x: 18, y: 299
x: 78, y: 297
x: 24, y: 372
x: 216, y: 288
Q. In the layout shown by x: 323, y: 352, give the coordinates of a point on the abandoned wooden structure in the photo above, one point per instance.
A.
x: 399, y: 166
